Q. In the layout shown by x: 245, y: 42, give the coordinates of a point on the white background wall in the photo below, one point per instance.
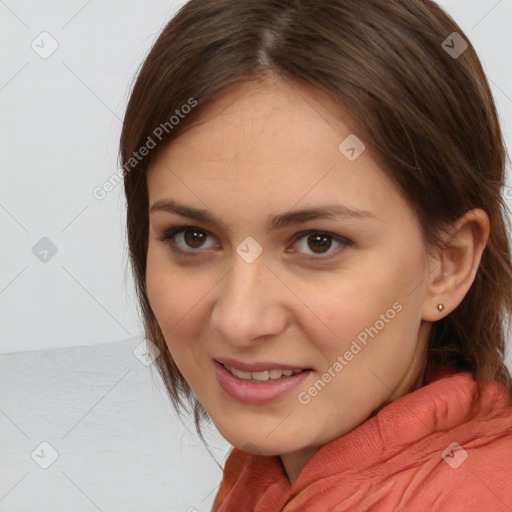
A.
x: 88, y: 429
x: 120, y: 445
x: 61, y: 121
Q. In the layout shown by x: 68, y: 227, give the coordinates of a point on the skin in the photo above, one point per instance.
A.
x: 266, y: 148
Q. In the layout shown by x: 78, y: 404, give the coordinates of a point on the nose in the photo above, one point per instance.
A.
x: 250, y: 306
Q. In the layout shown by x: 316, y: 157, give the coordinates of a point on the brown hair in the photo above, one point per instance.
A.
x: 430, y: 116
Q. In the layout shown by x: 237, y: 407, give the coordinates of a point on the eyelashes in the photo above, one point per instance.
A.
x: 321, y: 240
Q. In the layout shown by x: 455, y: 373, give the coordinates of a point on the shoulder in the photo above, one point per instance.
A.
x: 465, y: 463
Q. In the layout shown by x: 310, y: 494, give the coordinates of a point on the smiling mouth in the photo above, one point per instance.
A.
x: 264, y: 375
x: 265, y: 383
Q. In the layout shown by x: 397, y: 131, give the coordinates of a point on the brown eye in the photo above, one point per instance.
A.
x: 186, y: 239
x: 194, y: 238
x: 191, y: 241
x: 310, y: 243
x: 319, y: 243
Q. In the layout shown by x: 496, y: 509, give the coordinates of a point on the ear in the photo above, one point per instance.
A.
x: 453, y: 266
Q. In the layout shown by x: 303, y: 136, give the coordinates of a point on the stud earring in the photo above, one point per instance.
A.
x: 440, y: 307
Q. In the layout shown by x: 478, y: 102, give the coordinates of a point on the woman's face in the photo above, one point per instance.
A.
x: 262, y: 287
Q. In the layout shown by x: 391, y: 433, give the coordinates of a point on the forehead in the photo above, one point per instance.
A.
x: 271, y: 118
x: 271, y: 141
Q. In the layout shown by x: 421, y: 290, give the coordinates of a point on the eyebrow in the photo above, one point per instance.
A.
x: 274, y: 222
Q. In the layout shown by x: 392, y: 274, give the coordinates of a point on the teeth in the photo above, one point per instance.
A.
x: 263, y: 375
x: 276, y: 374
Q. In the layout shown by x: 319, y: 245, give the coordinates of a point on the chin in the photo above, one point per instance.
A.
x: 263, y: 445
x: 265, y: 449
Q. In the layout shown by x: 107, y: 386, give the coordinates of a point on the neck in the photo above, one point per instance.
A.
x: 294, y: 463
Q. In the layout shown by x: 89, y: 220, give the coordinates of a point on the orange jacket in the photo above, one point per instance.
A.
x: 402, y: 459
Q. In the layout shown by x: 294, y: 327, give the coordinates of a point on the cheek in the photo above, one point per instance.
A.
x: 370, y: 305
x: 359, y: 297
x: 176, y: 304
x: 166, y: 291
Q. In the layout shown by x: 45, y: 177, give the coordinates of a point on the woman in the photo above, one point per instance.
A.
x: 320, y: 251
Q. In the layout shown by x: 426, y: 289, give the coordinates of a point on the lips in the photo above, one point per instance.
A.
x: 257, y: 367
x: 260, y: 390
x: 263, y: 375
